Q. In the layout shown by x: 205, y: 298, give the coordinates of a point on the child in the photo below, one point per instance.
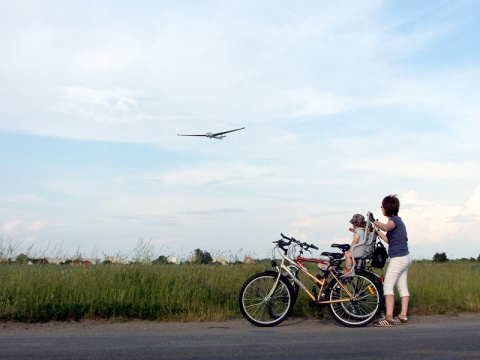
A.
x: 358, y: 222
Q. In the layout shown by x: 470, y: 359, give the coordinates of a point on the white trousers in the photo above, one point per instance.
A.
x: 397, y: 273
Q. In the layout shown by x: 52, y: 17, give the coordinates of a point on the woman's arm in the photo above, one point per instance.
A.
x: 383, y: 236
x: 389, y: 226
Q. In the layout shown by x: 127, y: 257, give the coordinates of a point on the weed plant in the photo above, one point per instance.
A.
x: 39, y: 293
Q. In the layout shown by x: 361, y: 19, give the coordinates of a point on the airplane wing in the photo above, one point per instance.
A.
x: 225, y: 132
x: 210, y: 135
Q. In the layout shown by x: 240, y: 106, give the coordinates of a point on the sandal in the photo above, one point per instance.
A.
x: 383, y: 323
x: 397, y: 320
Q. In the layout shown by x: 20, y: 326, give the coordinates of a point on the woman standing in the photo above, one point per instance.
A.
x: 400, y: 261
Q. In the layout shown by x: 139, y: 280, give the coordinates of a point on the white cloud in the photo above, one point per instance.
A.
x: 106, y: 58
x: 110, y: 104
x: 308, y: 102
x: 442, y: 225
x: 15, y: 227
x: 415, y: 169
x: 473, y: 204
x: 217, y: 173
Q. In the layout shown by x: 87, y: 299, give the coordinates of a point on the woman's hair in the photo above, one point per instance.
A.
x: 391, y: 204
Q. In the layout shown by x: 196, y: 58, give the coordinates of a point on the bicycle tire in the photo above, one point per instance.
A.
x: 256, y: 305
x: 363, y: 308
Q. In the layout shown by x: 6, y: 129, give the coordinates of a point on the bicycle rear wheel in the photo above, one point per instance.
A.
x: 360, y: 309
x: 264, y: 301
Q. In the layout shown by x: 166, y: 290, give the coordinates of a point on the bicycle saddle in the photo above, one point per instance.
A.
x: 334, y: 256
x: 344, y: 247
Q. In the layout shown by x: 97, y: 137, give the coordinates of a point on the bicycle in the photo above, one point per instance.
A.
x: 354, y: 299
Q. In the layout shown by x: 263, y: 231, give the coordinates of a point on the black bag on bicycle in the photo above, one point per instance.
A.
x: 379, y: 256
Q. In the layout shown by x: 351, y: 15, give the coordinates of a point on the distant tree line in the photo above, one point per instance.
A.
x: 442, y: 257
x: 204, y: 257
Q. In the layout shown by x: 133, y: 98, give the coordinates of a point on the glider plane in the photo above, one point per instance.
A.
x: 218, y: 136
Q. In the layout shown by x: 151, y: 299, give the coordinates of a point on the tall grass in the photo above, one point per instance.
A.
x: 154, y: 292
x: 190, y: 292
x: 450, y: 287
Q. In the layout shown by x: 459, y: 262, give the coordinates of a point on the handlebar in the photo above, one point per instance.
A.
x: 282, y: 243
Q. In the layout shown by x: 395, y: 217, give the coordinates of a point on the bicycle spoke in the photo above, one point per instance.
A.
x: 362, y: 308
x: 260, y: 308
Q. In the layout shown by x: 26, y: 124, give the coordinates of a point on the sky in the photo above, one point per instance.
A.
x: 343, y: 103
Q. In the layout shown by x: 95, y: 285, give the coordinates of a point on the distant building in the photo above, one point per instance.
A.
x: 38, y: 261
x: 222, y: 261
x: 116, y: 260
x: 249, y: 260
x: 57, y: 261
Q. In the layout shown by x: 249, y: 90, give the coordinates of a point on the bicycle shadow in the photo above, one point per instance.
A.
x: 295, y: 321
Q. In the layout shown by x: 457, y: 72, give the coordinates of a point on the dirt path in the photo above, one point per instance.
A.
x: 119, y: 326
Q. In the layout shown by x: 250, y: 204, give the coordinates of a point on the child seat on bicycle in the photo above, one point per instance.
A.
x: 363, y: 243
x: 364, y: 249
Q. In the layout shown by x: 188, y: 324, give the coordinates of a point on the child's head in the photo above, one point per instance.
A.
x: 358, y: 220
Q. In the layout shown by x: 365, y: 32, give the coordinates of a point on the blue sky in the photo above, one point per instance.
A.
x: 343, y: 103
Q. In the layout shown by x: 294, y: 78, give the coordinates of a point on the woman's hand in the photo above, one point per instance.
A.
x: 370, y: 217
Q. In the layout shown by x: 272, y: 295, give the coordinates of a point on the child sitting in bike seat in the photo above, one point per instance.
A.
x: 358, y: 223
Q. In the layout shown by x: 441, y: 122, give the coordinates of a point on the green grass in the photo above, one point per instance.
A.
x: 450, y: 287
x: 191, y: 292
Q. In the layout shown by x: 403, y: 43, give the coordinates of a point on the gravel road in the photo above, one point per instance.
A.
x: 120, y: 325
x: 434, y: 337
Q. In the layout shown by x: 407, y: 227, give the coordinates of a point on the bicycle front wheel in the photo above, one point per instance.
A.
x: 362, y: 307
x: 264, y: 301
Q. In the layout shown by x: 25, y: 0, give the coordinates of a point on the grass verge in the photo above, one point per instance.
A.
x: 192, y: 292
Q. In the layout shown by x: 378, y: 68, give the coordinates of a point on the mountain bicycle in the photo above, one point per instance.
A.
x: 354, y: 299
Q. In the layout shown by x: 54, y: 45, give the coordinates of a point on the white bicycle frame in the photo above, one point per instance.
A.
x: 320, y: 282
